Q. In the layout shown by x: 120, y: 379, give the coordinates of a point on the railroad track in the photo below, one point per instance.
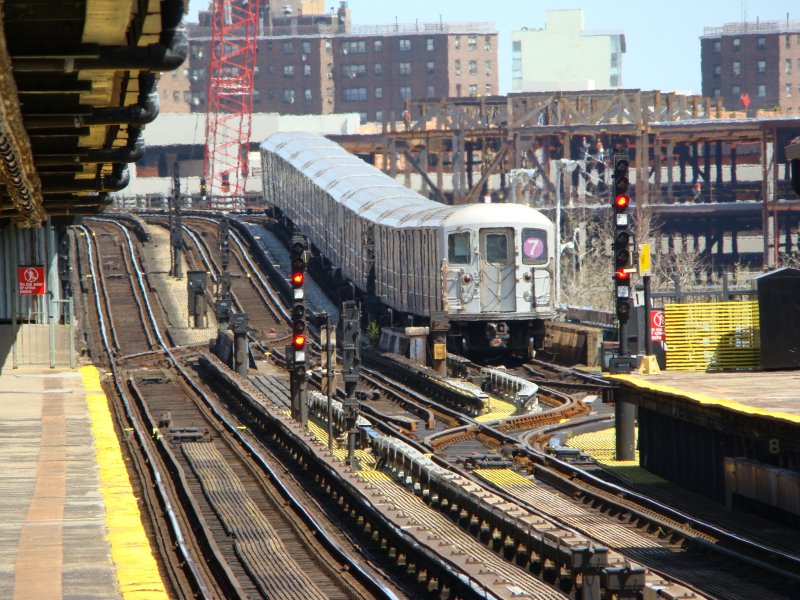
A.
x: 235, y: 510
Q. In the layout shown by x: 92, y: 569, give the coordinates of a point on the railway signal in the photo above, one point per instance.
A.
x: 621, y: 249
x: 351, y: 372
x: 297, y: 348
x: 622, y: 239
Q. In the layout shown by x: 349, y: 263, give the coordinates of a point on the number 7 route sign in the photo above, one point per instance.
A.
x: 30, y: 280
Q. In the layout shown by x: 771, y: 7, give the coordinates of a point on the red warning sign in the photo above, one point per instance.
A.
x: 656, y: 325
x: 31, y: 280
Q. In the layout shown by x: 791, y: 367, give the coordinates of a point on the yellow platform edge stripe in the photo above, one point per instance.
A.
x: 705, y: 398
x: 135, y: 566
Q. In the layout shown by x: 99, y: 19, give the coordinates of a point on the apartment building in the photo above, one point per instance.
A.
x: 321, y: 64
x: 563, y: 56
x: 753, y: 65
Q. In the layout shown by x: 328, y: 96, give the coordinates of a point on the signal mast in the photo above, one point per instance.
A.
x: 230, y: 99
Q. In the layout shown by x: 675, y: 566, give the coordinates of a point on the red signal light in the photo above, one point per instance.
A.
x: 299, y: 341
x: 622, y: 201
x: 297, y: 279
x: 622, y: 276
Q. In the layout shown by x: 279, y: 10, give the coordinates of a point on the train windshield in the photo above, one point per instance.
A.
x: 496, y: 250
x: 458, y: 245
x: 534, y: 246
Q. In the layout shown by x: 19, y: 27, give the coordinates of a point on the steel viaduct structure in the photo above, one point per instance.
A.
x: 673, y: 141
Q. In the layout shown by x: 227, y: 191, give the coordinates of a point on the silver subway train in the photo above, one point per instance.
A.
x: 489, y: 267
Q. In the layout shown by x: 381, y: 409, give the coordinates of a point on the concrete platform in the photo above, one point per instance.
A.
x: 700, y: 430
x: 70, y: 524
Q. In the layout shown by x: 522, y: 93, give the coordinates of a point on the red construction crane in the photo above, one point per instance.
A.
x: 230, y: 99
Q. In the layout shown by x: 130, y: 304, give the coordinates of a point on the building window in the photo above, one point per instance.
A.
x: 429, y: 44
x: 788, y: 42
x: 353, y: 71
x: 405, y: 92
x: 270, y: 95
x: 715, y: 93
x: 487, y: 42
x: 327, y: 46
x: 405, y: 45
x: 362, y: 117
x: 717, y: 46
x: 613, y: 81
x: 378, y: 93
x: 488, y: 67
x: 737, y: 44
x: 458, y: 90
x: 761, y: 43
x: 288, y: 71
x: 487, y: 89
x: 359, y: 47
x: 306, y: 47
x: 717, y: 71
x: 473, y: 67
x: 405, y: 68
x: 737, y: 67
x: 288, y: 96
x: 379, y: 116
x: 377, y: 45
x: 430, y: 67
x: 306, y: 70
x: 762, y: 91
x: 788, y: 66
x: 176, y: 96
x: 269, y: 45
x: 457, y: 42
x: 472, y: 42
x: 287, y: 47
x: 430, y: 92
x: 329, y: 95
x: 307, y: 95
x: 516, y: 60
x: 761, y: 66
x: 473, y: 90
x: 330, y: 70
x: 256, y: 96
x: 788, y: 90
x: 458, y: 67
x: 355, y: 94
x: 377, y: 69
x: 187, y: 95
x: 736, y: 91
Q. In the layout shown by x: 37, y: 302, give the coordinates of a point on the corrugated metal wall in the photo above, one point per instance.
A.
x: 27, y: 247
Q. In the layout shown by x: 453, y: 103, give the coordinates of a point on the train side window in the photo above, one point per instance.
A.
x: 534, y: 246
x: 496, y: 248
x: 458, y: 246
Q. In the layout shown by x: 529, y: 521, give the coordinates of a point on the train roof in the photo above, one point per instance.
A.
x: 379, y: 198
x: 355, y: 183
x: 496, y: 215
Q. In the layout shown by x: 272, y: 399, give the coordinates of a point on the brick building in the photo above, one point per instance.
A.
x: 757, y: 61
x: 321, y: 64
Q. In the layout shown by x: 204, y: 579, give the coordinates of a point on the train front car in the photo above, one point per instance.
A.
x: 498, y: 265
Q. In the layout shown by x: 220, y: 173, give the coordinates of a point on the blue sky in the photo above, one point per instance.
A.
x: 663, y: 39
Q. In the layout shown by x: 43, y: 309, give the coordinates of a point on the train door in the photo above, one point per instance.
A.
x: 497, y: 270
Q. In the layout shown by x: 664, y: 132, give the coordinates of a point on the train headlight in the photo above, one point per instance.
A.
x: 527, y: 276
x: 467, y: 278
x: 527, y: 295
x: 466, y: 298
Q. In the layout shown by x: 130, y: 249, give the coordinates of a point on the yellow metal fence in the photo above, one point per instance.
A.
x: 713, y: 336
